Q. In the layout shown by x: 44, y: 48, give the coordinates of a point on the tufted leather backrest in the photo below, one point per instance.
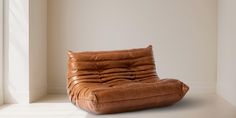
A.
x: 112, y: 66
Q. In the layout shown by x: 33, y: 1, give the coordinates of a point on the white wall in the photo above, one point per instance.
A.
x: 38, y: 48
x: 25, y: 50
x: 226, y: 50
x: 1, y: 52
x: 182, y: 32
x: 16, y: 51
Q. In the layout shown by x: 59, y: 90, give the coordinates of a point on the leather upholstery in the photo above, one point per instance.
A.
x: 117, y: 81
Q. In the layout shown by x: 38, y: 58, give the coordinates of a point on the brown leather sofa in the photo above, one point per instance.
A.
x: 117, y: 81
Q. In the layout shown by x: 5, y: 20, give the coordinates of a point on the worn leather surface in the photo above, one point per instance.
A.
x: 118, y: 81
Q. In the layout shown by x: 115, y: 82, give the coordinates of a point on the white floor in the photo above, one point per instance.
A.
x: 58, y: 106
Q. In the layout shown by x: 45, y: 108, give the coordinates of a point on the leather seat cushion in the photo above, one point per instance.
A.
x: 162, y: 92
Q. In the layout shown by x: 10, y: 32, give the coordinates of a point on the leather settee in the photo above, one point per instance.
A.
x: 104, y: 82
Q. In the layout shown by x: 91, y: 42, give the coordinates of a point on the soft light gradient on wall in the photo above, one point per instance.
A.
x: 16, y: 51
x: 1, y: 52
x: 25, y: 50
x: 182, y: 32
x: 38, y: 49
x: 226, y: 50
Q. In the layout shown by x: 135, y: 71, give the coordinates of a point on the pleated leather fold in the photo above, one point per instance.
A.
x: 117, y: 81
